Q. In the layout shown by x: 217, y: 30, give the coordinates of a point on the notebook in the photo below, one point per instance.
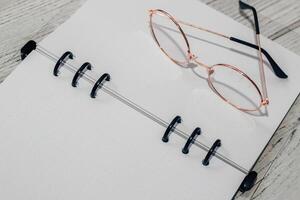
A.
x: 59, y: 143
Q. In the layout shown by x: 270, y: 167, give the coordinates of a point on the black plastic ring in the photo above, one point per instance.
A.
x: 27, y: 49
x: 98, y: 85
x: 80, y: 72
x: 191, y: 140
x: 211, y: 152
x: 63, y: 59
x: 248, y: 182
x: 170, y: 128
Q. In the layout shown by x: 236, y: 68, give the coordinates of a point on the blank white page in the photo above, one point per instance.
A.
x: 115, y: 37
x: 58, y: 143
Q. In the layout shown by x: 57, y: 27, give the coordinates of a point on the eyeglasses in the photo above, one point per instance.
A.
x: 227, y: 81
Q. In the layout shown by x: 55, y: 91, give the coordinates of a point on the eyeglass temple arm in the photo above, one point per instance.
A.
x: 244, y: 6
x: 275, y: 67
x: 277, y: 70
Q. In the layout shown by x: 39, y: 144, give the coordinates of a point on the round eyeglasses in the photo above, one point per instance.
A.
x: 227, y: 81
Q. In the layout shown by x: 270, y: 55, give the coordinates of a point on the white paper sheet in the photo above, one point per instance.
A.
x: 119, y: 42
x: 57, y: 143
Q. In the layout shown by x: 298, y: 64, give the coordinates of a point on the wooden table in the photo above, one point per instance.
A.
x: 278, y: 167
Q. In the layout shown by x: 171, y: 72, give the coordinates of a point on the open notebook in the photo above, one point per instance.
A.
x: 58, y: 143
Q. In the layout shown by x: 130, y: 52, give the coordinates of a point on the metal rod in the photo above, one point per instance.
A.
x: 139, y: 109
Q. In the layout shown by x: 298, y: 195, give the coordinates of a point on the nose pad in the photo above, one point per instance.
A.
x: 210, y: 71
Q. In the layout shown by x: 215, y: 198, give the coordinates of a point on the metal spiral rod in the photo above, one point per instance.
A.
x: 139, y: 109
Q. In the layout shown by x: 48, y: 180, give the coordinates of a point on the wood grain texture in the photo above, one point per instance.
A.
x: 278, y: 166
x: 21, y: 20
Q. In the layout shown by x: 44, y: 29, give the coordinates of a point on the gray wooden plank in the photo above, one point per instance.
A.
x: 21, y: 20
x: 277, y: 18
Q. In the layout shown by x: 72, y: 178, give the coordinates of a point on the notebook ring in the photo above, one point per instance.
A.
x: 211, y: 152
x: 98, y: 85
x: 63, y: 59
x: 28, y: 48
x: 191, y: 140
x: 171, y: 128
x: 80, y: 72
x: 248, y: 182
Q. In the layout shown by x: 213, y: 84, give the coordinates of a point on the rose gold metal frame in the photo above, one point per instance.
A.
x: 210, y: 69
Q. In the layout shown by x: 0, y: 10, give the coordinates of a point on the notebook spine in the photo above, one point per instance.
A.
x: 251, y: 176
x: 190, y: 141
